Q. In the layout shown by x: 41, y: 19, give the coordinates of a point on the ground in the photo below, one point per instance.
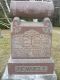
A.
x: 5, y: 50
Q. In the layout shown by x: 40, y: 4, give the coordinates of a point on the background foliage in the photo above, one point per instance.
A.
x: 2, y: 16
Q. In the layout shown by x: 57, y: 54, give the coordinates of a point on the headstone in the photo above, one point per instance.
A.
x: 31, y: 44
x: 31, y: 47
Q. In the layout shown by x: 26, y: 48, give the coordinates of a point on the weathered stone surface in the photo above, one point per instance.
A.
x: 32, y: 9
x: 31, y: 39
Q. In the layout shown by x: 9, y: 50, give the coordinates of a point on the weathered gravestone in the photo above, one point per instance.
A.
x: 0, y: 32
x: 31, y: 42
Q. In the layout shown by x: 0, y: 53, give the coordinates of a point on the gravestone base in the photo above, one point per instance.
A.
x: 7, y: 76
x: 30, y: 66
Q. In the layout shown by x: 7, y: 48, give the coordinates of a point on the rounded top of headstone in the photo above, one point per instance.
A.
x: 32, y: 8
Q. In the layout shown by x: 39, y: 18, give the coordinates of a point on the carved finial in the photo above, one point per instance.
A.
x: 15, y: 24
x: 16, y: 21
x: 47, y: 22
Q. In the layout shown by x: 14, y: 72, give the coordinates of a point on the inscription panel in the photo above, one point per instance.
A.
x: 31, y: 44
x: 31, y: 68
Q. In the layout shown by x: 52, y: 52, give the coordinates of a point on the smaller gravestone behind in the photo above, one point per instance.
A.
x: 0, y: 34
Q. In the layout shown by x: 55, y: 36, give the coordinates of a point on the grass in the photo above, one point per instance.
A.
x: 5, y: 49
x: 56, y: 50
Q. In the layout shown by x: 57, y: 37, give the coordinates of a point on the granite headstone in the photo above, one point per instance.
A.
x: 31, y: 41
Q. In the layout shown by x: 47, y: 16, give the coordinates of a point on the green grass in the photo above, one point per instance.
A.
x: 5, y: 49
x: 56, y: 50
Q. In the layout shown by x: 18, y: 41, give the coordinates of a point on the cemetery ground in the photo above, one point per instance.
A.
x: 5, y: 50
